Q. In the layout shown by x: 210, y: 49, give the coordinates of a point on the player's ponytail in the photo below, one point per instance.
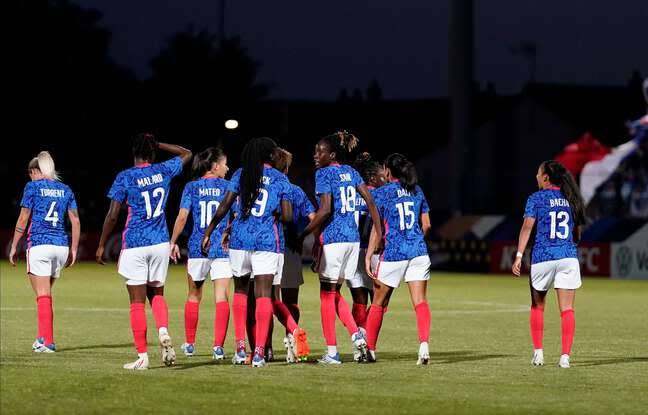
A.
x: 203, y: 161
x: 282, y: 160
x: 342, y: 143
x: 45, y: 164
x: 403, y: 170
x: 367, y: 167
x: 255, y: 153
x: 144, y: 146
x: 561, y: 177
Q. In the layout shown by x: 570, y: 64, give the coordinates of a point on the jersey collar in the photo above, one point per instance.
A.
x: 142, y: 164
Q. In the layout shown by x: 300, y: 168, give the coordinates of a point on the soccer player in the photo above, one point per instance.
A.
x: 45, y: 202
x: 404, y: 210
x: 361, y: 285
x: 290, y: 275
x: 559, y: 212
x: 254, y: 242
x: 201, y: 197
x: 144, y: 258
x: 336, y: 186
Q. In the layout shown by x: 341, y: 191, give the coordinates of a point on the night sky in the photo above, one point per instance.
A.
x: 312, y: 49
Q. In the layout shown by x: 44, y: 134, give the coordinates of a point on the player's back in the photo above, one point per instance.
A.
x: 203, y: 197
x: 340, y: 181
x: 145, y: 189
x: 257, y: 230
x: 554, y: 225
x: 400, y: 211
x: 49, y: 201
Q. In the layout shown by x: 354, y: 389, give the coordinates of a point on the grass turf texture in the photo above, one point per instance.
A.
x: 480, y: 354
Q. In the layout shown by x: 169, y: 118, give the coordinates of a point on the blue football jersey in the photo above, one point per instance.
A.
x: 145, y: 189
x: 202, y: 198
x: 400, y: 211
x: 341, y: 182
x: 49, y: 201
x: 363, y: 219
x: 258, y: 231
x: 302, y: 207
x: 554, y: 226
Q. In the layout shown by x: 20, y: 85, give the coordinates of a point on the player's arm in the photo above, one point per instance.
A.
x: 374, y: 243
x: 373, y: 210
x: 320, y: 217
x: 185, y: 154
x: 525, y: 233
x: 73, y: 214
x: 426, y: 226
x: 178, y: 227
x: 578, y: 233
x: 221, y: 212
x: 21, y: 227
x: 109, y: 224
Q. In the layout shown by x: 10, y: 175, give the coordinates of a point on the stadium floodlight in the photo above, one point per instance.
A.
x: 231, y: 124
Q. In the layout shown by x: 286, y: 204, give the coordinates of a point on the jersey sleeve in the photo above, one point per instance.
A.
x: 305, y: 205
x: 322, y: 182
x: 185, y: 201
x: 72, y: 204
x: 530, y: 208
x: 234, y: 184
x: 172, y: 167
x: 286, y: 190
x: 28, y: 197
x: 118, y: 190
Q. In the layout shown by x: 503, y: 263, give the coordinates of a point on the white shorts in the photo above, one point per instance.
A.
x: 293, y: 270
x: 339, y: 260
x: 360, y: 279
x: 563, y: 273
x: 217, y: 268
x: 145, y: 264
x: 391, y: 273
x: 253, y: 262
x: 46, y: 260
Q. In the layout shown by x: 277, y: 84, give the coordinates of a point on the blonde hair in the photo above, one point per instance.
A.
x: 282, y: 159
x: 44, y: 162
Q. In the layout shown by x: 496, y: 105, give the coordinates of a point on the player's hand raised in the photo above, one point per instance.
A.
x: 99, y: 255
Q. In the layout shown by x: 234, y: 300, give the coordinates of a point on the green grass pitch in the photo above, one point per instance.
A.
x: 480, y: 354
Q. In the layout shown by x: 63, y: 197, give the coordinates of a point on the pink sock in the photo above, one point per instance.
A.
x: 536, y: 322
x: 359, y: 312
x: 423, y: 319
x: 191, y: 311
x: 45, y: 318
x: 263, y: 318
x: 221, y: 321
x: 374, y: 323
x: 138, y: 326
x: 160, y: 311
x: 344, y: 313
x: 327, y: 312
x: 284, y: 316
x: 568, y: 327
x: 239, y: 309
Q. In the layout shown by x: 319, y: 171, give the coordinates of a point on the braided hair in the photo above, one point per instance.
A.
x: 561, y: 177
x: 256, y: 153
